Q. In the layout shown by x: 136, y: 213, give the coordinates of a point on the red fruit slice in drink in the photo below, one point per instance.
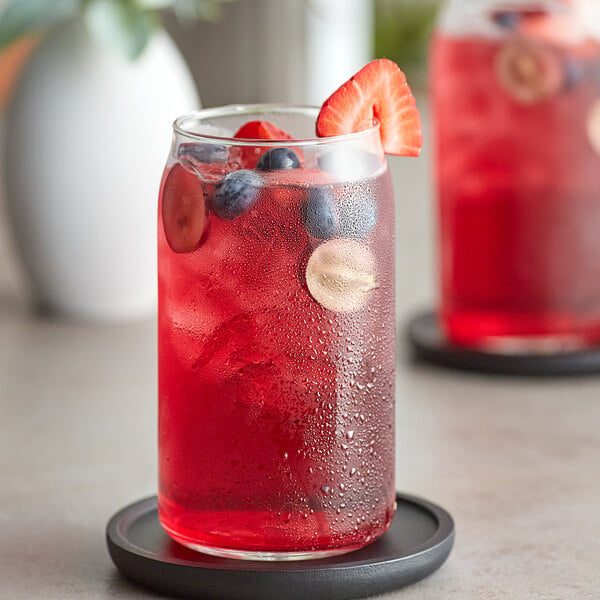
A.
x: 261, y: 130
x: 246, y: 157
x: 183, y: 210
x: 379, y: 91
x: 528, y: 71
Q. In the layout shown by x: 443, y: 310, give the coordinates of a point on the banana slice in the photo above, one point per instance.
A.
x: 528, y: 71
x: 340, y: 275
x: 593, y: 126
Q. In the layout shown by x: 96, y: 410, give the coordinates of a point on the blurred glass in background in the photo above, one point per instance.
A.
x: 516, y: 100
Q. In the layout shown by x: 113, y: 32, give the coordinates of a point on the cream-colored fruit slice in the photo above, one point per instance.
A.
x: 341, y: 275
x: 593, y: 126
x: 528, y: 71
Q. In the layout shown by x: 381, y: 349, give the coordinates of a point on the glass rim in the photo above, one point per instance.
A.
x: 257, y: 109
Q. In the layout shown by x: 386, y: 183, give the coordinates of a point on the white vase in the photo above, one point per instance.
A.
x: 87, y: 135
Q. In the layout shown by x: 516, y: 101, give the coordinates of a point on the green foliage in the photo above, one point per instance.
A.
x: 403, y: 29
x: 204, y: 10
x: 123, y: 24
x: 20, y: 17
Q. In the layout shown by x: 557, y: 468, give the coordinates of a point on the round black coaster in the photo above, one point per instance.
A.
x: 430, y: 345
x: 417, y: 543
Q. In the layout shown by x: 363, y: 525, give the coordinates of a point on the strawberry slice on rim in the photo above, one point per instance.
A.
x: 379, y: 91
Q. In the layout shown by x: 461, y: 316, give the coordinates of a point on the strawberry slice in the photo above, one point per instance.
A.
x: 247, y: 156
x: 183, y: 210
x: 261, y: 130
x: 378, y: 91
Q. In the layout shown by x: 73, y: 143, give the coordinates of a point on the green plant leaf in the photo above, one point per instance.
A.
x: 20, y: 17
x: 122, y: 24
x: 155, y: 4
x: 402, y: 30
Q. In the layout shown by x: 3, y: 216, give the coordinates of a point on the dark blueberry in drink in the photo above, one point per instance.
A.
x: 235, y: 194
x: 358, y: 216
x: 507, y: 19
x: 574, y: 73
x: 202, y: 153
x: 319, y: 214
x: 278, y: 158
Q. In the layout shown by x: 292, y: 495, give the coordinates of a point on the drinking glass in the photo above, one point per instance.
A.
x: 516, y: 98
x: 276, y: 333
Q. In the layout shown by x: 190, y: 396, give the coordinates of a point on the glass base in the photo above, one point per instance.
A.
x: 260, y: 555
x: 544, y: 334
x: 528, y: 345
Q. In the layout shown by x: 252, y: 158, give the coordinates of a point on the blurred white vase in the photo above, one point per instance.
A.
x: 87, y: 135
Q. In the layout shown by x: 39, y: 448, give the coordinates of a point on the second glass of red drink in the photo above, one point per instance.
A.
x: 516, y: 98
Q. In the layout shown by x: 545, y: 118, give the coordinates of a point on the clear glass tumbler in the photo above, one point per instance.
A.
x: 276, y: 337
x: 516, y: 98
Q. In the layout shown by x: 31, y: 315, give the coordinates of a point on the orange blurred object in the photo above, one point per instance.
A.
x: 11, y: 62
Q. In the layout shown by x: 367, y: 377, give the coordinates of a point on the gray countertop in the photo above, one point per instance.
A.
x: 515, y: 461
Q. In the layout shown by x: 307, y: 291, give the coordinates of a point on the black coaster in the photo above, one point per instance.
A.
x: 430, y: 345
x: 417, y: 543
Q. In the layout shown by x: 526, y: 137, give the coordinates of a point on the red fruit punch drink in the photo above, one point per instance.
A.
x: 276, y: 336
x: 516, y: 95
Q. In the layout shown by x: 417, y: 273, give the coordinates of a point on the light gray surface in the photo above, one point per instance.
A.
x: 516, y: 461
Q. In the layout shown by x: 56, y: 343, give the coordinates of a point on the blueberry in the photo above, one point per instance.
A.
x: 202, y: 153
x: 235, y: 194
x: 358, y: 217
x: 574, y: 73
x: 278, y: 158
x: 319, y: 215
x: 507, y: 19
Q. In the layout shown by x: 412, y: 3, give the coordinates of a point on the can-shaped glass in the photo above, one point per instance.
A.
x: 516, y: 98
x: 276, y: 332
